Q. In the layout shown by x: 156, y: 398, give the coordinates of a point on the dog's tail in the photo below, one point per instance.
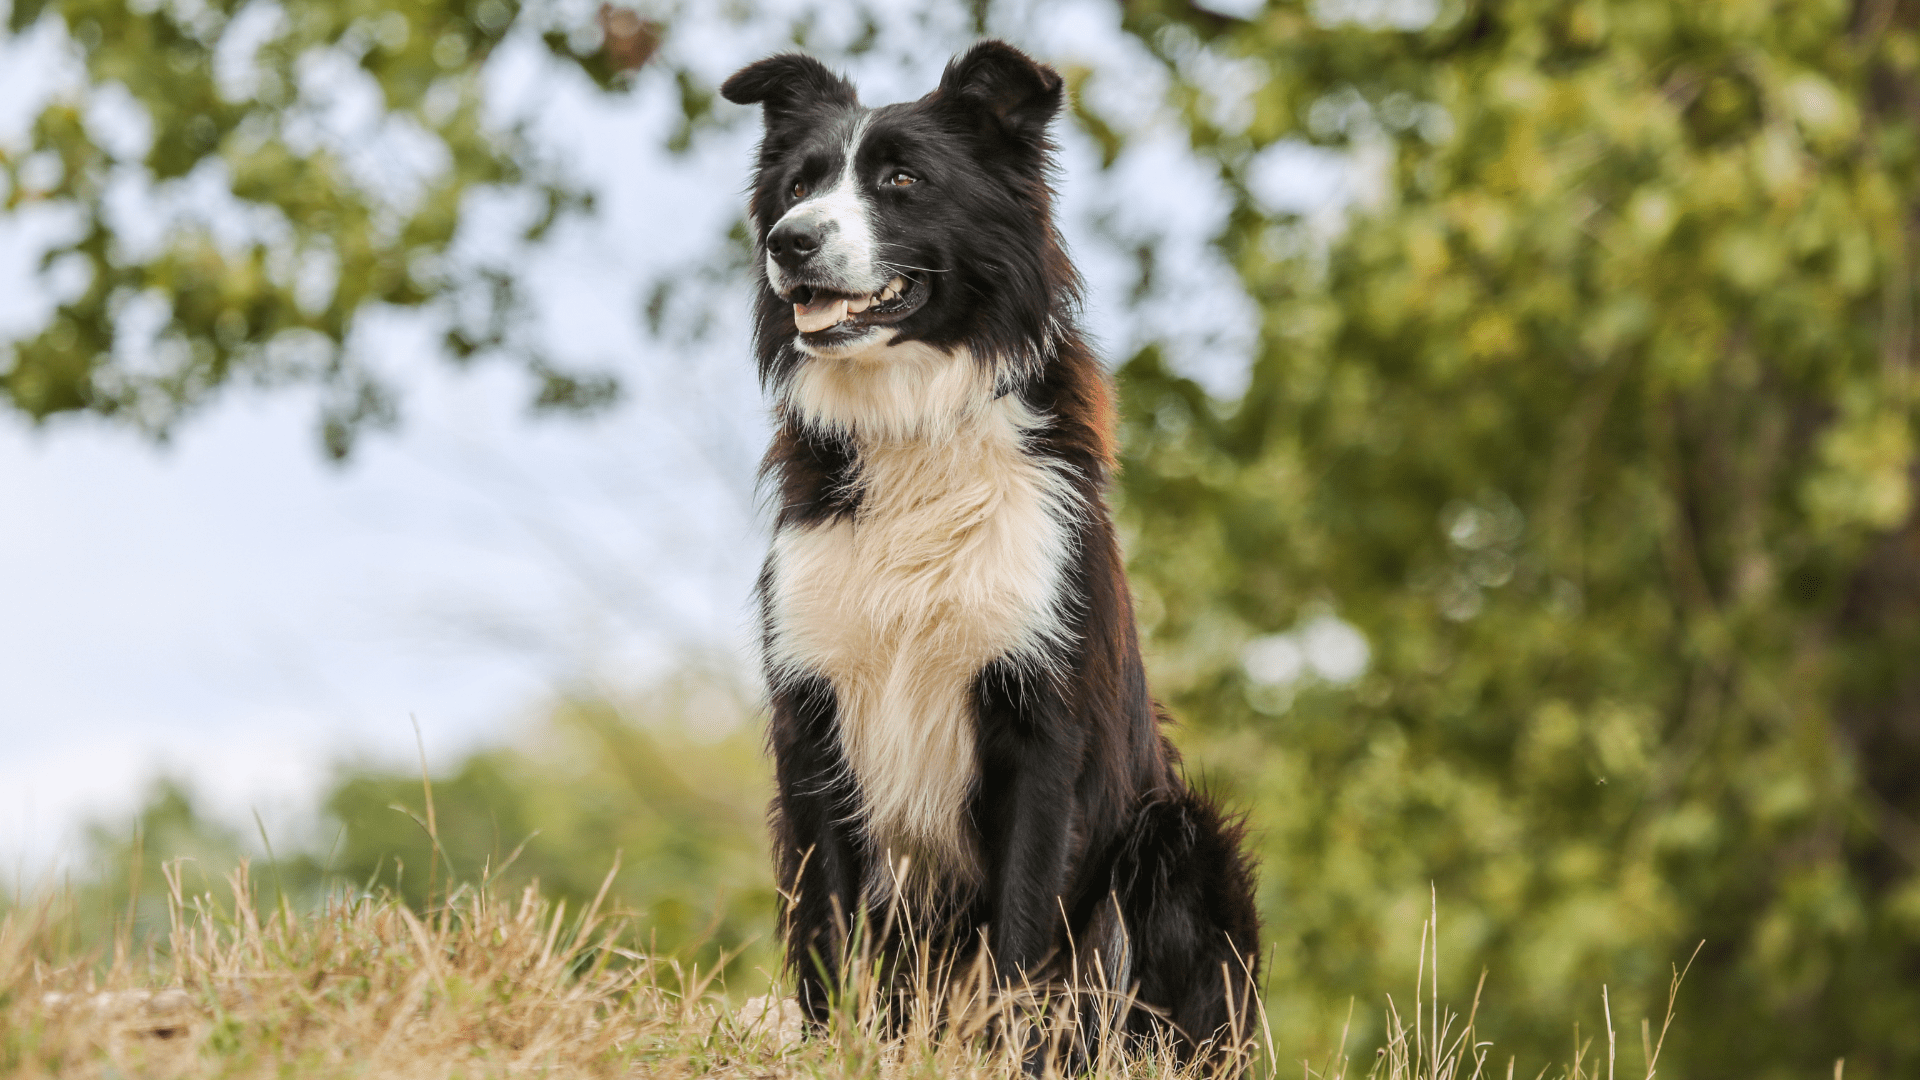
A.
x: 1184, y: 886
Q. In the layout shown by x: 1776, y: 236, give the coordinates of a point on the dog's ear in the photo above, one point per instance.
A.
x: 1003, y: 90
x: 788, y: 83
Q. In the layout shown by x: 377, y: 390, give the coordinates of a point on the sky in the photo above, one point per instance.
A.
x: 232, y: 609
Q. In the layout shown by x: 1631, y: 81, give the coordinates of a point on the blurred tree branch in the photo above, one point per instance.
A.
x: 317, y: 221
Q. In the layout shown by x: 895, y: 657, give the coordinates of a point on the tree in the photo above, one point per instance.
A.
x: 311, y: 227
x: 1597, y: 420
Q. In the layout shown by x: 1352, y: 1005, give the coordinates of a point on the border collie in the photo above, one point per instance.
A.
x: 961, y: 726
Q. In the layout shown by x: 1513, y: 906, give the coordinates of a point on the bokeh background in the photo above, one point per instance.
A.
x: 1519, y: 471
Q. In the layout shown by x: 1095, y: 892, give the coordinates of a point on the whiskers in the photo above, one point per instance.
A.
x: 892, y: 266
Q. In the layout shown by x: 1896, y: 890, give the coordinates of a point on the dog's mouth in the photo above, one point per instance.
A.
x: 823, y: 314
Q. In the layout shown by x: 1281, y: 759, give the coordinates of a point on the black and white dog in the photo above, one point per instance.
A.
x: 961, y: 726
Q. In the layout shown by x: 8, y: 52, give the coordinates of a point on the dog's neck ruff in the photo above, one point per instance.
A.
x: 890, y: 394
x: 952, y: 561
x: 881, y: 392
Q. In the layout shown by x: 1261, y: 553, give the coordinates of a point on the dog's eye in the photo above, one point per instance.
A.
x: 800, y: 189
x: 902, y: 178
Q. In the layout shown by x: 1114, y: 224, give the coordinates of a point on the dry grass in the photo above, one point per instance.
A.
x: 488, y: 985
x: 483, y: 986
x: 364, y: 987
x: 1440, y: 1044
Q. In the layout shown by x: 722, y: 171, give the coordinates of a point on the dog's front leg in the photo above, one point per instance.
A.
x: 1026, y: 810
x: 1030, y: 760
x: 818, y: 858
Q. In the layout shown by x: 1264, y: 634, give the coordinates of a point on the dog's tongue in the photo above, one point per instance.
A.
x: 819, y: 315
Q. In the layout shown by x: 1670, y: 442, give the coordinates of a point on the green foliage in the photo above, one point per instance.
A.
x: 233, y: 95
x: 1597, y: 420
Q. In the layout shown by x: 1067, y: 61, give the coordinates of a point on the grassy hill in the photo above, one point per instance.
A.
x: 492, y: 982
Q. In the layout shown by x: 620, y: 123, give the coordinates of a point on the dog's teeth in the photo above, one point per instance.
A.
x: 898, y: 285
x: 862, y: 304
x: 809, y: 318
x: 884, y: 295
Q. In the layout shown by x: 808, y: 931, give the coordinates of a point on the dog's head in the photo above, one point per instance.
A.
x: 923, y: 221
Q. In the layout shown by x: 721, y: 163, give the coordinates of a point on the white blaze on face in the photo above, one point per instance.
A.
x: 846, y: 261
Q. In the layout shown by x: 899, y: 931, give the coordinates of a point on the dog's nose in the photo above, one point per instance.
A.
x: 794, y: 242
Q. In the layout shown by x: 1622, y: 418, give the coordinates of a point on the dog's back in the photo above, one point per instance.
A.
x: 961, y: 720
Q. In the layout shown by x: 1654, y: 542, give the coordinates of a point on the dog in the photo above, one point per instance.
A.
x: 965, y: 749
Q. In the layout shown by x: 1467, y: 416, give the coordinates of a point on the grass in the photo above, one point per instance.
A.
x: 496, y: 985
x: 491, y: 982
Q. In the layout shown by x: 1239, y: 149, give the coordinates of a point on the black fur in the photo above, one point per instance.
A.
x: 1079, y: 804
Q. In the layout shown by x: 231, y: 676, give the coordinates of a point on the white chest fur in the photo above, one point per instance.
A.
x: 953, y: 560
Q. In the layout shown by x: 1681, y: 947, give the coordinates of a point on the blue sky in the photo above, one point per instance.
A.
x: 233, y: 609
